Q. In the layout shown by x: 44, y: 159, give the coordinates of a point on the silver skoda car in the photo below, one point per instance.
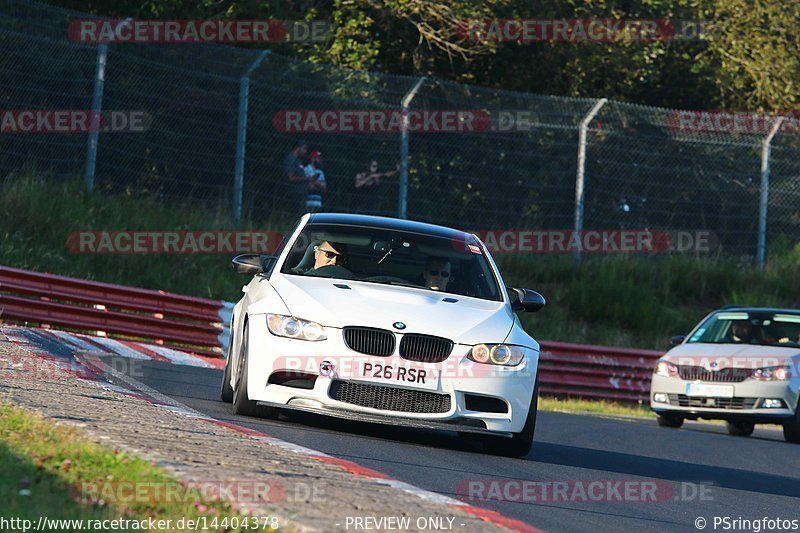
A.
x: 739, y: 365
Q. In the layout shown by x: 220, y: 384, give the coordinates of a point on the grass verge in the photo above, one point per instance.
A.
x: 50, y: 470
x: 571, y: 405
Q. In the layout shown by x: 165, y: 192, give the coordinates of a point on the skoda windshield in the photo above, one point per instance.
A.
x: 750, y: 327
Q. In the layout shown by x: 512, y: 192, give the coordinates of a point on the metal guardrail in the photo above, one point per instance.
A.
x: 183, y: 322
x: 598, y: 372
x: 200, y: 325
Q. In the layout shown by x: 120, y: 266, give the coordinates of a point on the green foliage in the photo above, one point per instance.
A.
x: 748, y: 58
x: 38, y: 216
x: 755, y: 53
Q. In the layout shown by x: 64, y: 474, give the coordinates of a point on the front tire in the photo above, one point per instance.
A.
x: 242, y: 404
x: 226, y: 391
x: 670, y: 421
x: 740, y: 429
x: 791, y: 429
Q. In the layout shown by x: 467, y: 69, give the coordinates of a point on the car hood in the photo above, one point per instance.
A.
x: 328, y: 302
x: 731, y: 355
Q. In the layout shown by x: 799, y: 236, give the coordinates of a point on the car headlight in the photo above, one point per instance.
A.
x: 295, y: 328
x: 666, y: 369
x: 497, y: 354
x: 772, y: 373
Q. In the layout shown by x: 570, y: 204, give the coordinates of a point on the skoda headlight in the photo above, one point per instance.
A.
x: 772, y: 373
x: 497, y: 354
x: 295, y: 328
x: 666, y: 369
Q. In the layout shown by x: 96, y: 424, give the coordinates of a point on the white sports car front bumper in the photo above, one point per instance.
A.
x: 456, y: 393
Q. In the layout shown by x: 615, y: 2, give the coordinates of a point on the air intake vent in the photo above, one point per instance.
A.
x: 371, y: 341
x: 389, y: 398
x: 425, y: 348
x: 718, y: 403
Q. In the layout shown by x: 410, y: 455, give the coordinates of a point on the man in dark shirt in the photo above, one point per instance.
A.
x: 298, y: 181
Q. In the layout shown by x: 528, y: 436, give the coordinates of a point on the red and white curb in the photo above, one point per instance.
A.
x: 130, y: 349
x: 87, y: 344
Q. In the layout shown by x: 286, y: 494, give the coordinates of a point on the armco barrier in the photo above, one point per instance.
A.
x: 600, y: 372
x: 200, y: 325
x: 182, y: 322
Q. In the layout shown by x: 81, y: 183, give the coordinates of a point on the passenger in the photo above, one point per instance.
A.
x: 437, y: 273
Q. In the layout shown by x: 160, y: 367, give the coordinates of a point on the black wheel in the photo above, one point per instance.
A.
x: 519, y: 445
x: 670, y: 421
x: 791, y: 429
x: 740, y: 429
x: 226, y: 391
x: 242, y: 405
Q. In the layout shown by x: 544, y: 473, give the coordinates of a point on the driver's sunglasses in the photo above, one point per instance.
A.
x: 328, y: 253
x: 441, y: 273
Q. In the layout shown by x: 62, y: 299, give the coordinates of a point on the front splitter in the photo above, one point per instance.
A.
x: 386, y: 421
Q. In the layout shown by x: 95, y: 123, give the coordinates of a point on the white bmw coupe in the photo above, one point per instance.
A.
x: 387, y: 321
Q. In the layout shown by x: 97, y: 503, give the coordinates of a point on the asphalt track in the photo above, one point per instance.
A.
x: 698, y: 471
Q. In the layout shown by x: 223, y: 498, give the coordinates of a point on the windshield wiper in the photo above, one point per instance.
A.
x: 387, y: 254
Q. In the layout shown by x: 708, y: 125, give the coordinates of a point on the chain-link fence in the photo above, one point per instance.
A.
x: 644, y: 167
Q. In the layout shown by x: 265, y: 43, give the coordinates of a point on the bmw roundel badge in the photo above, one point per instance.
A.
x: 399, y: 325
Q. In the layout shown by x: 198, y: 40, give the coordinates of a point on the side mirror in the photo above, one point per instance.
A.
x: 676, y: 340
x: 526, y: 300
x: 252, y: 264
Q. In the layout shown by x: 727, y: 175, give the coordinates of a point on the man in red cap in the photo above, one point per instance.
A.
x: 317, y: 184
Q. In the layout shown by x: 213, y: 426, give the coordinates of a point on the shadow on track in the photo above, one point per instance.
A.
x: 636, y: 465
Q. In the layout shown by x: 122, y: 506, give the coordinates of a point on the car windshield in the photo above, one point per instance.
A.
x: 753, y: 327
x: 380, y: 255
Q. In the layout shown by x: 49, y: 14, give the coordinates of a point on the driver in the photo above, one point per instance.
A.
x: 437, y: 273
x: 328, y: 254
x: 742, y: 331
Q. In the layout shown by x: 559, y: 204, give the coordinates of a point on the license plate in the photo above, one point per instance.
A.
x: 402, y: 374
x: 709, y: 391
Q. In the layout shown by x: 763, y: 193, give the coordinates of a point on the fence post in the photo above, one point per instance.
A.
x: 579, y: 180
x: 766, y: 148
x: 241, y: 136
x: 402, y: 200
x: 97, y: 108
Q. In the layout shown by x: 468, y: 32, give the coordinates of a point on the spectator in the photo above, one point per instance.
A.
x: 317, y: 186
x: 298, y: 181
x: 367, y: 183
